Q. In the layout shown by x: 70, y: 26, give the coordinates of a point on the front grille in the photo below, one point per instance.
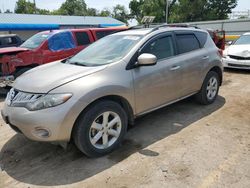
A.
x: 237, y: 65
x: 239, y: 57
x: 17, y: 97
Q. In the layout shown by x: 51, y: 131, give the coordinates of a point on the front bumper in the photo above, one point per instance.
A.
x: 233, y: 63
x: 56, y: 121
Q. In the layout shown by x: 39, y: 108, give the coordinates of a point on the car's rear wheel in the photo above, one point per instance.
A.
x: 210, y: 89
x: 100, y: 129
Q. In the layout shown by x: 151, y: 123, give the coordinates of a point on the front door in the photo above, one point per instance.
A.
x: 159, y: 84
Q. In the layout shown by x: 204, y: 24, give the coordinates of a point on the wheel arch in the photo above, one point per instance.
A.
x: 218, y: 70
x: 115, y: 98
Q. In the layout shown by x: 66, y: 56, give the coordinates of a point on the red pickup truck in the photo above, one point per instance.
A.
x: 46, y: 47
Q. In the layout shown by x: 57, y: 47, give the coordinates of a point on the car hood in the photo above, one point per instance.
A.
x: 12, y: 50
x: 239, y: 50
x: 47, y: 77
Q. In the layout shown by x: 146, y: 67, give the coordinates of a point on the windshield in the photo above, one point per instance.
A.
x: 106, y: 50
x: 35, y: 41
x: 244, y: 39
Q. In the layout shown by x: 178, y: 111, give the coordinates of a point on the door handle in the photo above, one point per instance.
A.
x: 175, y: 68
x: 205, y: 57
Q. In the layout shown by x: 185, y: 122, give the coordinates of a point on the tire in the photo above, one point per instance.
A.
x: 21, y: 71
x: 209, y: 91
x: 90, y: 133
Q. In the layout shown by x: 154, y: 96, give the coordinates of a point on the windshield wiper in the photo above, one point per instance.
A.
x: 78, y: 64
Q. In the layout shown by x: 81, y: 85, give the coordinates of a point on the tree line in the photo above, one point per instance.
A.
x: 179, y: 10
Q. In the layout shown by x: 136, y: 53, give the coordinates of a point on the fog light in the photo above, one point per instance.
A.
x: 41, y: 132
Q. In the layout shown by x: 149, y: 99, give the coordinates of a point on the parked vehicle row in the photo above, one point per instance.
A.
x: 46, y: 47
x: 92, y: 97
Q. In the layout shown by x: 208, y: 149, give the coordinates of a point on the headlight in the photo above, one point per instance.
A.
x: 48, y: 101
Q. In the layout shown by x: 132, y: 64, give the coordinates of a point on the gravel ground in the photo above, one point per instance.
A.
x: 182, y: 145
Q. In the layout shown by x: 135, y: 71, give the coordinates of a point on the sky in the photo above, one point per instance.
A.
x: 243, y: 5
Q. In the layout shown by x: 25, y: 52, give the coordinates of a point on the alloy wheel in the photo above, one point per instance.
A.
x: 105, y: 130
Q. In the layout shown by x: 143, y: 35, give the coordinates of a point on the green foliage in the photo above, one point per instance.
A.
x: 188, y: 11
x: 105, y: 13
x: 92, y: 12
x: 25, y: 7
x: 120, y: 13
x: 73, y: 7
x: 136, y: 9
x: 219, y: 9
x: 182, y: 10
x: 157, y: 8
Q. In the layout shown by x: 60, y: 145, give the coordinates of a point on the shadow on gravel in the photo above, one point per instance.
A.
x: 45, y: 164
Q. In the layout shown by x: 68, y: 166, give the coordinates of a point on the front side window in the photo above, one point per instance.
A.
x: 106, y: 50
x: 187, y: 43
x: 35, y: 41
x: 162, y: 47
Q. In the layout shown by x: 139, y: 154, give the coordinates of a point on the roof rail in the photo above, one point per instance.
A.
x: 157, y: 26
x: 174, y: 25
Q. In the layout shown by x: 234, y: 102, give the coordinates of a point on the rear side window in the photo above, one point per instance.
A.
x: 162, y: 47
x: 187, y: 43
x: 82, y: 38
x: 202, y: 37
x: 101, y: 34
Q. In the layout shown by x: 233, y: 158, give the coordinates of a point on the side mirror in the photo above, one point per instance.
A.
x: 146, y: 60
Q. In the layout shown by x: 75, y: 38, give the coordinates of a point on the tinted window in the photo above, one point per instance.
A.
x: 161, y: 47
x: 202, y: 37
x: 101, y: 34
x: 187, y: 43
x: 9, y: 40
x: 82, y: 38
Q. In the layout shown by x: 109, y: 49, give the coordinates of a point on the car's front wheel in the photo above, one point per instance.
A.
x: 210, y: 89
x: 100, y: 129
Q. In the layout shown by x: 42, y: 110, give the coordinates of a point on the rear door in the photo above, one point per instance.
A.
x: 159, y: 84
x: 191, y: 56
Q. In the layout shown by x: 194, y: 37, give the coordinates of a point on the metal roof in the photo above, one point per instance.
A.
x: 60, y: 20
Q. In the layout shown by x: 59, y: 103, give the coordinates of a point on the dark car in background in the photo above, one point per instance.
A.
x: 10, y: 40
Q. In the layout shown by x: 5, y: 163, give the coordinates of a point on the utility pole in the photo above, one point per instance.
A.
x: 167, y: 11
x: 34, y: 1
